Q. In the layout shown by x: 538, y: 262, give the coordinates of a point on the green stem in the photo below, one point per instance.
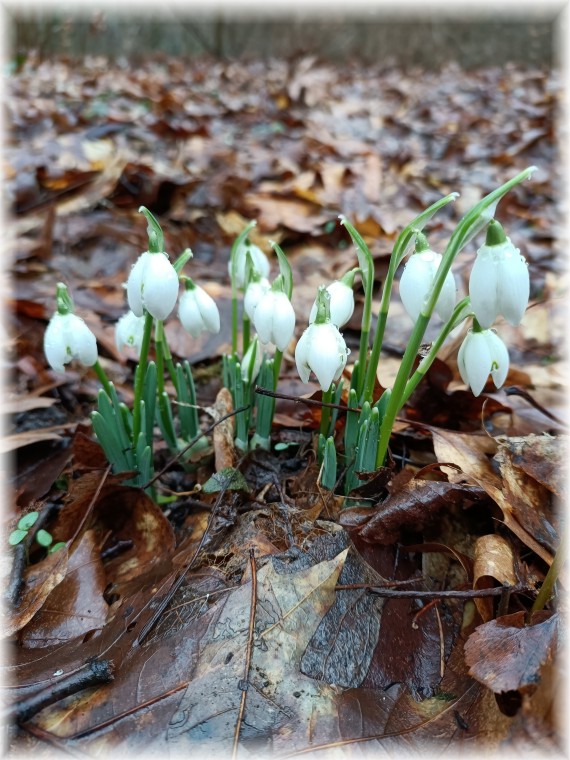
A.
x: 140, y: 375
x: 459, y: 314
x: 277, y: 359
x: 326, y: 412
x: 246, y: 332
x: 103, y: 379
x: 547, y: 587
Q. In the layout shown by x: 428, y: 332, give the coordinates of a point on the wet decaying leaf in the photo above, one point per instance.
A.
x: 413, y: 507
x: 494, y: 562
x: 284, y: 708
x: 76, y: 605
x: 507, y: 654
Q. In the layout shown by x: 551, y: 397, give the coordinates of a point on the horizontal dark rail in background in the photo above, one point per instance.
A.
x: 428, y: 41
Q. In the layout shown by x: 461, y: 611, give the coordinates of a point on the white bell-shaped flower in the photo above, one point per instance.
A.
x: 341, y: 303
x: 152, y: 285
x: 67, y: 337
x: 321, y: 349
x: 417, y: 279
x: 197, y: 310
x: 129, y: 332
x: 499, y: 281
x: 259, y: 260
x: 274, y: 319
x: 253, y: 295
x: 482, y: 353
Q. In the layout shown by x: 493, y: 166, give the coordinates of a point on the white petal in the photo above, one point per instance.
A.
x: 260, y: 263
x: 325, y: 357
x: 483, y: 287
x: 446, y: 301
x: 189, y: 313
x: 476, y: 361
x: 263, y: 318
x: 301, y: 352
x: 129, y: 331
x: 283, y: 321
x: 135, y: 284
x: 208, y: 310
x: 499, y: 358
x: 55, y: 345
x: 82, y: 342
x: 253, y: 295
x: 415, y: 283
x: 513, y: 286
x: 160, y: 286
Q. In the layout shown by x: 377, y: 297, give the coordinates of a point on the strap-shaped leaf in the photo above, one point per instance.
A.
x: 328, y: 478
x: 365, y: 261
x: 187, y: 411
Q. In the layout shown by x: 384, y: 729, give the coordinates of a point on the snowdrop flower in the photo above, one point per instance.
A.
x: 259, y: 260
x: 67, y: 336
x: 482, y: 353
x: 253, y: 295
x: 499, y: 282
x: 129, y: 332
x: 152, y: 285
x: 342, y: 300
x: 417, y: 279
x: 197, y: 310
x: 251, y: 363
x: 321, y: 348
x: 274, y: 319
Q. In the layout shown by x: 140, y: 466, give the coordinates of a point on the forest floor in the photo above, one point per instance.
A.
x: 220, y: 617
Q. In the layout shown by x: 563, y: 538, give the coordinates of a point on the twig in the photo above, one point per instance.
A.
x: 93, y: 673
x: 54, y: 741
x: 396, y: 594
x: 194, y: 440
x: 307, y: 401
x: 245, y: 682
x: 514, y: 390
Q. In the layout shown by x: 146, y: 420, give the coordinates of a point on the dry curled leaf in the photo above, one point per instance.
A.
x: 494, y: 560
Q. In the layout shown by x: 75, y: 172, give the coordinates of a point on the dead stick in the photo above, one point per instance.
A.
x: 244, y: 685
x: 94, y: 673
x: 396, y: 594
x: 307, y: 401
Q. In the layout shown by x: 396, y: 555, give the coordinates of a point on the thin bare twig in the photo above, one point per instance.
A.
x: 514, y: 390
x: 397, y: 594
x: 307, y: 401
x: 245, y: 681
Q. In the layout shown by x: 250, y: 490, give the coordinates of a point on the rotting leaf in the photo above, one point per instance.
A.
x: 39, y: 581
x: 284, y: 708
x: 507, y: 655
x: 494, y: 559
x: 413, y: 507
x: 543, y: 457
x: 75, y: 606
x: 228, y: 479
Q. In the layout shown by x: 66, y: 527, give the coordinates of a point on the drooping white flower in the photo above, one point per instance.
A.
x: 129, y: 332
x: 274, y: 319
x: 67, y: 337
x: 417, y: 278
x: 499, y: 281
x: 253, y: 295
x: 197, y: 310
x: 152, y: 285
x: 259, y: 260
x: 482, y: 353
x: 341, y: 303
x: 321, y: 349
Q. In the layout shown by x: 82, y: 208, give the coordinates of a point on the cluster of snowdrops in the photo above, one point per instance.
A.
x: 263, y: 328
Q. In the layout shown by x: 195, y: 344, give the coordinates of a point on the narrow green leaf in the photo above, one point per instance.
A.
x: 284, y: 269
x: 328, y: 478
x: 365, y: 260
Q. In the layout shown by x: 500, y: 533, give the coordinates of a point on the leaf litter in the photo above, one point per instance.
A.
x: 470, y: 505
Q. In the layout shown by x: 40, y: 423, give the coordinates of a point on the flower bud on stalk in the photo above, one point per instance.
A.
x: 482, y: 353
x: 129, y: 332
x: 274, y: 318
x: 499, y: 281
x: 342, y: 300
x: 197, y: 310
x: 67, y: 336
x: 259, y: 259
x: 152, y: 285
x: 417, y: 279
